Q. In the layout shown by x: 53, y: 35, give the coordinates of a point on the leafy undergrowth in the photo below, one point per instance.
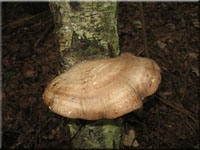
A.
x: 169, y: 119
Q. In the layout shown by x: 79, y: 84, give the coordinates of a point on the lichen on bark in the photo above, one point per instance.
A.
x: 85, y: 30
x: 88, y: 30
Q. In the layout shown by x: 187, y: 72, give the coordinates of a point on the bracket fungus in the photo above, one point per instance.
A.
x: 103, y: 88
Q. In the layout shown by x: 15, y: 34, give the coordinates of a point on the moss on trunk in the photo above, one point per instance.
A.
x: 88, y: 30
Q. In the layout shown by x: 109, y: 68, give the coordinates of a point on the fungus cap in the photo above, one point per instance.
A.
x: 104, y: 88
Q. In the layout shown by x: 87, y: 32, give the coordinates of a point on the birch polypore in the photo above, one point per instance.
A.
x: 105, y: 88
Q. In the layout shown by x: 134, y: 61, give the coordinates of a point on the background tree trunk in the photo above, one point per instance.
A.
x: 88, y: 30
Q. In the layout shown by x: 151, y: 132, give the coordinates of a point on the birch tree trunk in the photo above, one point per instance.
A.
x: 88, y: 30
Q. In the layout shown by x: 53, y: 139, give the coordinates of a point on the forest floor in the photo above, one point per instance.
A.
x: 170, y: 118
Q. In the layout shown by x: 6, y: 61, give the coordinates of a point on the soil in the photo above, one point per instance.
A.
x: 169, y: 118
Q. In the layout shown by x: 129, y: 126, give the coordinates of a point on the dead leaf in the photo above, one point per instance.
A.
x: 196, y: 23
x: 30, y: 74
x: 193, y: 55
x: 161, y: 44
x: 129, y: 139
x: 195, y: 69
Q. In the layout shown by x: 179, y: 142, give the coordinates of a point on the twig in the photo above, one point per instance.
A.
x: 187, y: 113
x: 43, y: 35
x: 150, y: 130
x: 27, y: 20
x: 185, y: 84
x: 140, y: 52
x: 158, y: 130
x: 144, y: 30
x: 174, y: 85
x: 190, y: 128
x: 42, y: 126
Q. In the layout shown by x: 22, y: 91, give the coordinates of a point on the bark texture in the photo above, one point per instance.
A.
x: 85, y: 30
x: 88, y: 30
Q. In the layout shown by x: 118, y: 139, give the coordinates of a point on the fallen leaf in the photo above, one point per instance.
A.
x: 129, y: 139
x: 196, y: 23
x: 193, y: 55
x: 195, y: 69
x: 30, y: 74
x: 161, y: 44
x: 10, y: 74
x: 137, y: 24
